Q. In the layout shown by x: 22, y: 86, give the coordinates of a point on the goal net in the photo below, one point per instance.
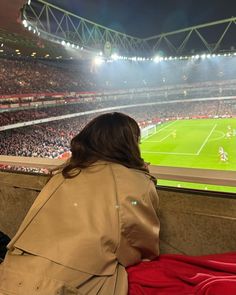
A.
x: 148, y: 131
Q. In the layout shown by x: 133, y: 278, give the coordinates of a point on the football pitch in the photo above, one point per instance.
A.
x: 193, y: 143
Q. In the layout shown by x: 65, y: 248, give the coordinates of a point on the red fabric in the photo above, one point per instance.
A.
x: 184, y: 275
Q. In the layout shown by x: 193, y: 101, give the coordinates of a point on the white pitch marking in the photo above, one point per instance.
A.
x: 159, y: 131
x: 205, y: 141
x: 169, y: 153
x: 161, y: 139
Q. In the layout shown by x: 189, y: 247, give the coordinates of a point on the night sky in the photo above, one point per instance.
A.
x: 147, y: 18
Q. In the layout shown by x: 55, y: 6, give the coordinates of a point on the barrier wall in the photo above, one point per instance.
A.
x: 192, y: 222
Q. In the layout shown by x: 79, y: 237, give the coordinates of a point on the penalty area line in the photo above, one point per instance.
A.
x: 159, y: 130
x: 169, y: 153
x: 206, y: 140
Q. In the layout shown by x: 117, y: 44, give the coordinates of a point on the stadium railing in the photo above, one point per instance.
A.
x: 193, y: 175
x: 193, y: 222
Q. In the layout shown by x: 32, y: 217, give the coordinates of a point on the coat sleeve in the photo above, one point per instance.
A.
x: 139, y: 232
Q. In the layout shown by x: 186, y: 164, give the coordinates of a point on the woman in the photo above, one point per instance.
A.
x: 93, y: 219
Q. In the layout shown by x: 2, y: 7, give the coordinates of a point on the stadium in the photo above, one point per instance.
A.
x: 60, y: 70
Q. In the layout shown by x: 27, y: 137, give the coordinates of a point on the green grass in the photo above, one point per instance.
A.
x: 195, y: 145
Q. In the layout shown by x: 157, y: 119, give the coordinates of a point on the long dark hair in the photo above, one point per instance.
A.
x: 113, y: 137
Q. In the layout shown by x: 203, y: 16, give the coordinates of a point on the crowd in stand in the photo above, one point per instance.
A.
x: 19, y: 76
x: 36, y: 76
x: 52, y: 139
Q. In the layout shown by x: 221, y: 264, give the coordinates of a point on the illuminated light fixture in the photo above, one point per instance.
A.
x: 165, y: 58
x: 29, y: 28
x: 47, y: 55
x: 100, y: 53
x: 25, y: 24
x: 234, y: 53
x: 63, y: 43
x: 73, y: 45
x: 218, y: 54
x: 208, y: 55
x: 203, y: 56
x: 2, y: 45
x: 197, y: 56
x: 170, y: 58
x: 225, y: 54
x: 77, y: 47
x: 213, y: 55
x: 98, y: 60
x: 156, y: 59
x: 1, y: 50
x: 17, y: 50
x: 38, y: 33
x: 18, y: 53
x: 34, y: 31
x: 82, y: 48
x: 29, y: 2
x: 114, y: 56
x: 68, y: 43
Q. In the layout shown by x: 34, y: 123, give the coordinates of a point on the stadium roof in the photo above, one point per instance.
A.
x: 15, y: 39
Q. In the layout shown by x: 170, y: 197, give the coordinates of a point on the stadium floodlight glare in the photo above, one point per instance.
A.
x: 157, y: 59
x: 63, y: 43
x: 100, y: 53
x: 114, y: 56
x: 98, y: 60
x: 203, y: 56
x: 25, y: 24
x: 29, y: 2
x: 29, y: 28
x: 68, y: 44
x: 208, y: 55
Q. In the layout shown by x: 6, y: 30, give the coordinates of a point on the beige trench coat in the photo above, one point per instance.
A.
x: 81, y: 233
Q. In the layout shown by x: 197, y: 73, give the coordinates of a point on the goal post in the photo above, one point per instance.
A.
x: 148, y: 131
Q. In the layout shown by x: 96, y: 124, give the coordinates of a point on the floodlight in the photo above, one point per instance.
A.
x: 114, y: 56
x: 25, y: 24
x: 157, y: 59
x: 98, y: 60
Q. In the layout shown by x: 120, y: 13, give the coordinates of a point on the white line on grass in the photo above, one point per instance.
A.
x: 169, y: 153
x: 158, y: 131
x: 160, y: 139
x: 205, y: 141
